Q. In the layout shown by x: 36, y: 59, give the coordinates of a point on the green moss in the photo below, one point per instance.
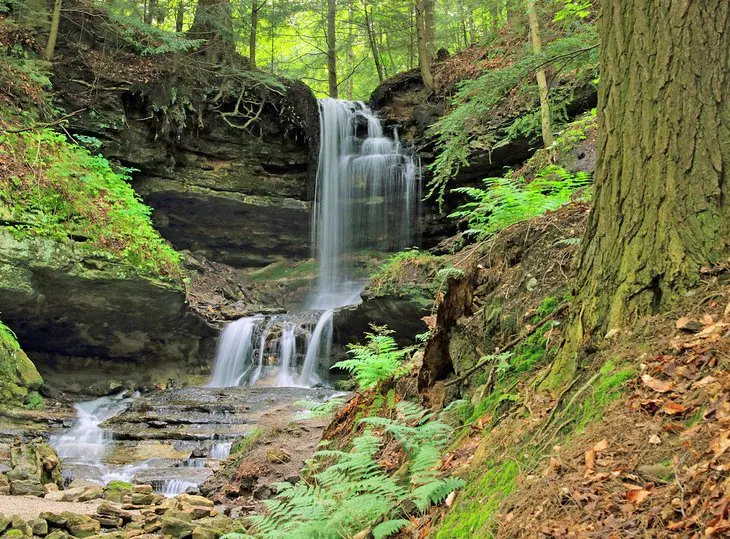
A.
x: 18, y: 375
x: 245, y: 444
x: 473, y: 514
x: 607, y: 389
x: 282, y: 270
x: 119, y: 486
x: 406, y: 273
x: 34, y: 401
x: 56, y: 189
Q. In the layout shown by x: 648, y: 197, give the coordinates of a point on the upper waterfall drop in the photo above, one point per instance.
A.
x: 366, y: 196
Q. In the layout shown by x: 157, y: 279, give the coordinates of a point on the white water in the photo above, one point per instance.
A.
x: 221, y: 450
x: 366, y: 196
x: 173, y: 487
x: 86, y: 442
x: 234, y: 354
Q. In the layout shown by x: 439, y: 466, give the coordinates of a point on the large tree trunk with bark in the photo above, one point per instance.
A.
x: 662, y: 206
x: 542, y: 87
x: 332, y: 47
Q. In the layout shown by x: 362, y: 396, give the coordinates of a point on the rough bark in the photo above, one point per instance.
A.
x: 547, y: 130
x: 332, y: 48
x: 424, y: 33
x: 661, y: 186
x: 53, y: 34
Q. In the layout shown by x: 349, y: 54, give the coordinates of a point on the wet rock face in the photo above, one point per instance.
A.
x: 74, y: 313
x: 232, y: 195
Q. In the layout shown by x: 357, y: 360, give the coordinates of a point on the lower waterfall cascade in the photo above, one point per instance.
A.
x: 367, y: 194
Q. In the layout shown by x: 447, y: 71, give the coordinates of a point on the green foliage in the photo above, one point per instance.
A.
x: 506, y: 201
x: 573, y: 10
x: 245, y: 444
x: 606, y: 390
x: 145, y: 39
x: 34, y: 401
x: 376, y: 361
x: 318, y: 409
x: 467, y: 129
x: 62, y: 191
x: 402, y: 271
x: 353, y: 491
x: 474, y: 515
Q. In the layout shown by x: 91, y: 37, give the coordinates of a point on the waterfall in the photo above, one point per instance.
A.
x: 86, y: 442
x: 233, y: 356
x: 366, y: 196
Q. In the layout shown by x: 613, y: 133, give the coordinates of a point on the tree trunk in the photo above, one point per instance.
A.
x: 661, y: 208
x: 213, y: 21
x: 179, y: 16
x: 423, y: 33
x: 252, y: 35
x: 547, y: 129
x: 373, y: 41
x: 332, y: 48
x: 53, y: 34
x: 350, y: 49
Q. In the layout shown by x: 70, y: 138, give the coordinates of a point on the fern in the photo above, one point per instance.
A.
x: 469, y: 127
x: 354, y: 492
x: 377, y: 360
x: 507, y: 201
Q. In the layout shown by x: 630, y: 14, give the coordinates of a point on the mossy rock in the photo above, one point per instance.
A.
x: 18, y: 375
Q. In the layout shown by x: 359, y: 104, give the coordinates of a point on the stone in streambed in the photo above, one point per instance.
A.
x: 58, y: 534
x: 4, y: 486
x: 26, y: 487
x: 108, y: 522
x: 109, y: 510
x: 116, y: 490
x: 141, y: 498
x: 91, y: 493
x: 54, y: 519
x: 204, y: 532
x: 277, y: 456
x: 81, y: 525
x: 177, y: 524
x: 39, y: 527
x: 4, y: 523
x: 194, y: 499
x: 13, y: 534
x: 18, y: 523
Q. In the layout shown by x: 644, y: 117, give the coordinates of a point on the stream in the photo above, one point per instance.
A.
x: 367, y: 194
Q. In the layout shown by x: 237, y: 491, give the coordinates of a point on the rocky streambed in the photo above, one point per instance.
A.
x: 172, y: 439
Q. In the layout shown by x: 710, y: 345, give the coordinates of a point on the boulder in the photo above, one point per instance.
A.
x: 81, y: 525
x: 78, y: 313
x: 26, y: 487
x: 58, y: 534
x: 177, y: 524
x: 39, y: 526
x: 4, y: 523
x: 111, y: 510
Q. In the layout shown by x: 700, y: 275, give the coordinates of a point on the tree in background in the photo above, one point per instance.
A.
x: 547, y: 130
x: 426, y: 39
x: 661, y: 208
x: 53, y: 34
x: 332, y: 47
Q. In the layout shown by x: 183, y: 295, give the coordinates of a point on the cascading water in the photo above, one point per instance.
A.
x: 366, y: 196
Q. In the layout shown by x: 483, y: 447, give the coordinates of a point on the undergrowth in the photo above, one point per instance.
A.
x: 377, y: 360
x: 506, y: 201
x: 403, y: 271
x: 466, y: 128
x: 57, y: 189
x: 349, y: 492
